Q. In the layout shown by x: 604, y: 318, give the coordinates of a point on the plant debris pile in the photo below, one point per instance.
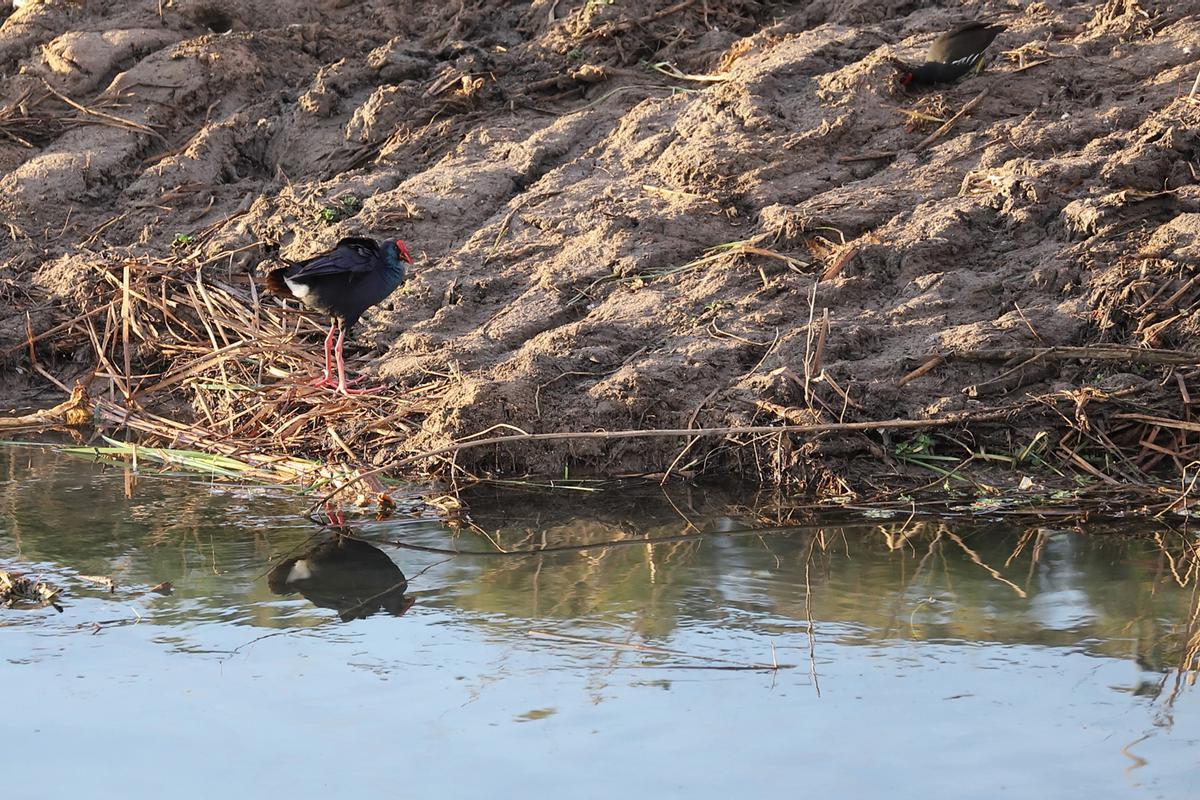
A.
x: 20, y: 590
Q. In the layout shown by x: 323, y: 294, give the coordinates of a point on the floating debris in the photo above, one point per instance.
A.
x: 16, y: 589
x: 104, y: 581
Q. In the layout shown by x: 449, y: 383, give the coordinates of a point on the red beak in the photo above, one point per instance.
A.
x: 403, y: 248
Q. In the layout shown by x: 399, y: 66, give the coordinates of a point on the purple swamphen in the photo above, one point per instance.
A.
x: 346, y: 574
x: 343, y: 282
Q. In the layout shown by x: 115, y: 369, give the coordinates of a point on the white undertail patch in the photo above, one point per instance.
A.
x: 299, y: 572
x: 295, y: 287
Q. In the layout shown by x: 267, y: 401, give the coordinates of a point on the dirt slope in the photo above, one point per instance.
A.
x: 560, y: 196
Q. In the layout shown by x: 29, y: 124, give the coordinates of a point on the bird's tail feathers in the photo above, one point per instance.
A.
x: 277, y: 285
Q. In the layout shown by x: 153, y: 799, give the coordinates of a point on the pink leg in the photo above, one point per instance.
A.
x: 327, y: 378
x: 334, y: 516
x: 341, y: 369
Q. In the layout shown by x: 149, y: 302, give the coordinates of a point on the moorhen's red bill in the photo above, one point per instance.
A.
x: 954, y: 54
x: 343, y: 282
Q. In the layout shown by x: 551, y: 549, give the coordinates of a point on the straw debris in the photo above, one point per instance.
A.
x: 19, y: 590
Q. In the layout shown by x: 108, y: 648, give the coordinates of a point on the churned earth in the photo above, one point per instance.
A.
x: 632, y: 215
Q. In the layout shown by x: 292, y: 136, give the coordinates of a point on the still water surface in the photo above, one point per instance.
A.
x: 947, y: 659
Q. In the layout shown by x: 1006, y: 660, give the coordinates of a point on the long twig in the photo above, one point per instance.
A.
x: 948, y: 124
x: 1099, y: 352
x: 1028, y: 355
x: 832, y: 427
x: 105, y: 118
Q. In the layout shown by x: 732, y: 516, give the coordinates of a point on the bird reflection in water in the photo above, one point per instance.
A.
x: 346, y: 574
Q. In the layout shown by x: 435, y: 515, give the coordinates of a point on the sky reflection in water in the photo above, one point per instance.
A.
x: 949, y: 658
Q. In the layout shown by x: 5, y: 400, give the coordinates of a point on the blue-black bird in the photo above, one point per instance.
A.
x: 343, y: 283
x: 953, y: 54
x: 346, y: 574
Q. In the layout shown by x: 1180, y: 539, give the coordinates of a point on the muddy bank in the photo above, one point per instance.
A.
x: 760, y: 231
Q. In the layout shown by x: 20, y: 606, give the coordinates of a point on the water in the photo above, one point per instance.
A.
x: 948, y: 659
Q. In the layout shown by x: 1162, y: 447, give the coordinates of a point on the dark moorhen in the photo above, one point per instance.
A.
x: 953, y: 54
x: 346, y: 574
x: 343, y: 282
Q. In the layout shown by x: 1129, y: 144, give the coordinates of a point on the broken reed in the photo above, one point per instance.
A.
x: 167, y: 332
x: 35, y: 117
